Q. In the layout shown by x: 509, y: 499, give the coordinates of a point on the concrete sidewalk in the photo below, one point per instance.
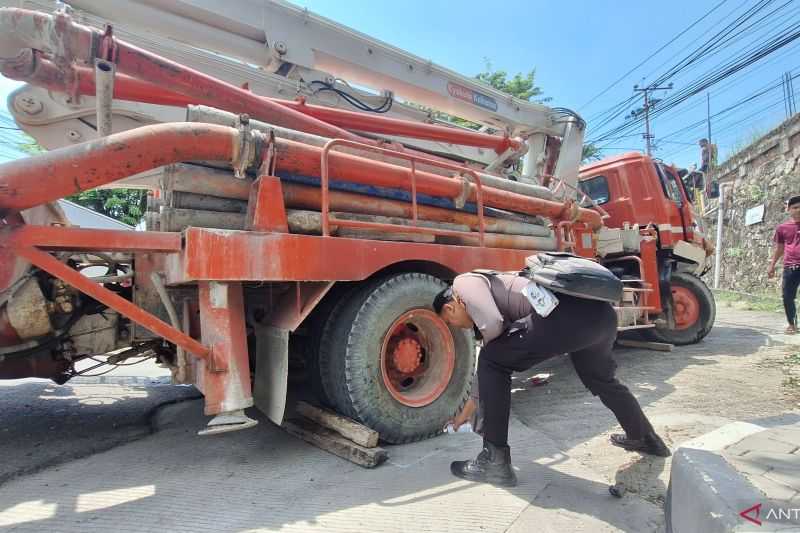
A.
x: 263, y: 479
x: 736, y: 478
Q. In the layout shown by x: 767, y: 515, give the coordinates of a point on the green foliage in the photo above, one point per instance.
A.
x: 29, y: 145
x: 751, y: 302
x: 755, y: 192
x: 522, y: 87
x: 733, y: 252
x: 125, y: 205
x: 590, y: 153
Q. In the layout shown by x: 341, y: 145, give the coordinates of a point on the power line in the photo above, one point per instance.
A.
x: 729, y: 126
x: 733, y: 82
x: 692, y: 59
x: 608, y: 116
x: 648, y: 58
x: 712, y: 77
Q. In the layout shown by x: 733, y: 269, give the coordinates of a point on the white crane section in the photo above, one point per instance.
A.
x: 280, y: 49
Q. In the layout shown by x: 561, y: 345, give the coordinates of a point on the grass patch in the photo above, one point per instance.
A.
x: 749, y: 302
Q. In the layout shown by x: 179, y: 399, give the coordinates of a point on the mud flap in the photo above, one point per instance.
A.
x: 272, y: 371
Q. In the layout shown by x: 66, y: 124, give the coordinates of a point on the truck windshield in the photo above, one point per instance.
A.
x: 595, y: 188
x: 669, y: 183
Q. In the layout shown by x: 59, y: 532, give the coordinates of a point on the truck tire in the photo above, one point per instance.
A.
x: 329, y: 383
x: 388, y: 361
x: 328, y: 307
x: 695, y: 311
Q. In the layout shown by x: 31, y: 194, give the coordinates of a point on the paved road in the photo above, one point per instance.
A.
x: 44, y: 424
x: 263, y: 479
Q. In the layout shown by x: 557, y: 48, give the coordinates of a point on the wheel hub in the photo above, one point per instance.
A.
x: 407, y: 355
x: 687, y: 308
x: 417, y: 358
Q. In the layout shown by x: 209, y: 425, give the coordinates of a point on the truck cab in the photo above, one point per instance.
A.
x: 646, y: 197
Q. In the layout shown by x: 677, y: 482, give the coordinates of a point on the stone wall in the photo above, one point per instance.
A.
x: 765, y: 173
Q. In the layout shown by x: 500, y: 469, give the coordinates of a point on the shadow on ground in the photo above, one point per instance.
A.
x: 264, y: 479
x: 43, y: 424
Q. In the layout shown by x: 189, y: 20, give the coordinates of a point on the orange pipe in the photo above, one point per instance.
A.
x: 34, y: 69
x: 403, y: 128
x: 304, y: 159
x: 307, y: 197
x: 47, y: 177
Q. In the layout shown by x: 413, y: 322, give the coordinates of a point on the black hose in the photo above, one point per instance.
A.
x: 352, y: 100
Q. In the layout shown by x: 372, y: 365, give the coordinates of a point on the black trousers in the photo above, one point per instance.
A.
x: 791, y: 280
x: 582, y: 328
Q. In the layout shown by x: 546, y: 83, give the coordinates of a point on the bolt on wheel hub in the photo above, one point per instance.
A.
x: 406, y: 356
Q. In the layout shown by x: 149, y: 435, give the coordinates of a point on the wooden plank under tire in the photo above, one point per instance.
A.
x: 332, y: 442
x: 347, y: 428
x: 646, y: 345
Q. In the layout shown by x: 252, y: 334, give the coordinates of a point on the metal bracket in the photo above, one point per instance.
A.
x: 228, y: 422
x: 244, y: 155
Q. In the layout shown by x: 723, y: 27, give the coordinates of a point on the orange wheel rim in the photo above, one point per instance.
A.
x: 417, y: 358
x: 687, y: 308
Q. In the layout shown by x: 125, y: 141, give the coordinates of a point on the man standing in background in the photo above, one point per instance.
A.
x: 787, y: 244
x: 708, y: 155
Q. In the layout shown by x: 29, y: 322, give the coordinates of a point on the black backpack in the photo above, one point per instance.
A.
x: 577, y: 276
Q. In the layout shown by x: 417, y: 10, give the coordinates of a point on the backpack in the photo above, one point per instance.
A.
x: 576, y: 276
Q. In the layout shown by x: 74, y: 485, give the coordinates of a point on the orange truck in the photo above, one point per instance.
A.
x: 635, y: 191
x: 298, y: 233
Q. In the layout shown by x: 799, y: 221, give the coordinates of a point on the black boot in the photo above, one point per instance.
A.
x: 493, y: 465
x: 650, y: 444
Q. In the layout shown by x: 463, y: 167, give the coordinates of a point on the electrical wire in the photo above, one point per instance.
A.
x: 693, y: 58
x: 648, y: 58
x: 352, y: 100
x: 721, y: 72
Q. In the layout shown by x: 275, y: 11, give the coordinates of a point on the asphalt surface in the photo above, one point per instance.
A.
x: 43, y: 424
x: 99, y: 457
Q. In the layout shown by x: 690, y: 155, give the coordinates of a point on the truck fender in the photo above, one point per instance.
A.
x: 693, y: 253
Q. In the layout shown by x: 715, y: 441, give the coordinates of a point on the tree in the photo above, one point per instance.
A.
x: 126, y: 205
x: 29, y: 145
x: 525, y: 88
x: 590, y: 153
x: 522, y: 87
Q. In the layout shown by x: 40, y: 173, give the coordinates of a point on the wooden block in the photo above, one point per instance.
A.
x: 332, y: 442
x: 345, y: 427
x: 657, y: 346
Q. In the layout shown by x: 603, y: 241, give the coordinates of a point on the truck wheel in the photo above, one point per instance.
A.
x: 390, y: 362
x: 329, y: 306
x: 695, y: 311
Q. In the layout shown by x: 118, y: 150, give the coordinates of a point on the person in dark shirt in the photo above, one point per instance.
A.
x: 515, y: 338
x: 787, y: 245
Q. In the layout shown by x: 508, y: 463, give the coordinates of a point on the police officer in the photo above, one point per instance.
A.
x: 515, y: 338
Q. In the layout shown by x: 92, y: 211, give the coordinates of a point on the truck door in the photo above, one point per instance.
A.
x: 675, y: 228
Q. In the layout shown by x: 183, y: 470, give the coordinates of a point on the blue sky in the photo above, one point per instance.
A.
x: 579, y: 48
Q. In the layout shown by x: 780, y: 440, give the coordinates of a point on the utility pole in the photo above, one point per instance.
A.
x: 648, y: 103
x: 788, y: 94
x: 708, y: 115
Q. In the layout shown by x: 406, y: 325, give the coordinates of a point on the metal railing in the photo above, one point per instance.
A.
x: 413, y: 159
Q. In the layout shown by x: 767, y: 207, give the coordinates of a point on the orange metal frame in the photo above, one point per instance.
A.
x: 413, y: 160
